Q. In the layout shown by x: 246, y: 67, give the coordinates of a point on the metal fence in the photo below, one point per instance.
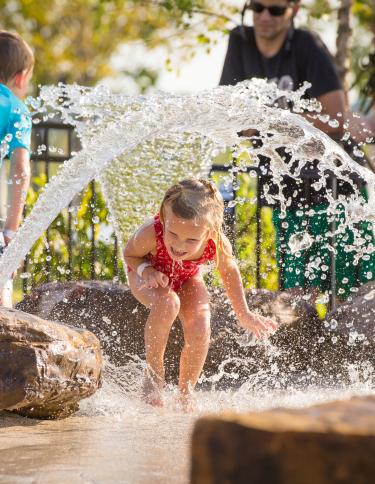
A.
x: 54, y: 142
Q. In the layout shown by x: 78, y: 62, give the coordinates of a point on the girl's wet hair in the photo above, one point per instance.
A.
x: 196, y: 199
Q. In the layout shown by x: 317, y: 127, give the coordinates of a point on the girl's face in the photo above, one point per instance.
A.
x: 184, y: 239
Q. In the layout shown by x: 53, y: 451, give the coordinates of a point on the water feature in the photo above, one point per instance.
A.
x: 137, y: 147
x: 148, y: 141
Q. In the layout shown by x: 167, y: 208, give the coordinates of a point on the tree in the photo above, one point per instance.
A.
x: 353, y: 55
x: 74, y: 40
x: 364, y: 69
x: 343, y: 40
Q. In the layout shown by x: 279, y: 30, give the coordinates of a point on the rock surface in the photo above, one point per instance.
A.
x: 332, y: 443
x: 45, y: 368
x: 349, y: 333
x: 112, y: 313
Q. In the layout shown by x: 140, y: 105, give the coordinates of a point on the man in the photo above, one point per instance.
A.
x: 274, y: 49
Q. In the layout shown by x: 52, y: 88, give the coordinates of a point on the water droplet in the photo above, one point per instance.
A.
x: 333, y: 123
x: 300, y: 241
x: 370, y: 295
x: 358, y: 152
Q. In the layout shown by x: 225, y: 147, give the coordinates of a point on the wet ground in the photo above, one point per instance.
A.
x: 116, y: 438
x: 99, y: 449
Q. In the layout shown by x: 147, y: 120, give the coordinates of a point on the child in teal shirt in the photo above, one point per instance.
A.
x: 16, y: 68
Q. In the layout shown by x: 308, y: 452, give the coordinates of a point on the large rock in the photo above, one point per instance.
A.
x: 332, y: 443
x: 349, y: 331
x: 45, y: 367
x: 112, y: 313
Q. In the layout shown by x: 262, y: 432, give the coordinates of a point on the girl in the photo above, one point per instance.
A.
x: 164, y: 258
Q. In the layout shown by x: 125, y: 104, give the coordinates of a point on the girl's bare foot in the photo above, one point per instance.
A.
x: 186, y: 402
x: 152, y: 391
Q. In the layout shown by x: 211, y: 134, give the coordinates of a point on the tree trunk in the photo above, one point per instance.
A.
x: 343, y: 41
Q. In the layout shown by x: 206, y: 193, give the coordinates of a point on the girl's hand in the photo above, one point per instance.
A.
x: 153, y: 278
x: 259, y: 325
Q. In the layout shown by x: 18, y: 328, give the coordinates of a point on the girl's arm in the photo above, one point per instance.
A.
x: 142, y: 243
x: 232, y: 281
x: 139, y: 245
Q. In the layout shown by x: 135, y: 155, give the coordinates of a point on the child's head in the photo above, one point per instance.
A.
x: 191, y: 212
x: 16, y: 62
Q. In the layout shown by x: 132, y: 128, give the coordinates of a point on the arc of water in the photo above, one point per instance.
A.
x: 218, y: 114
x: 75, y: 174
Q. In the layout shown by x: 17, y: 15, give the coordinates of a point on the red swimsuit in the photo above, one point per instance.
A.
x: 177, y: 271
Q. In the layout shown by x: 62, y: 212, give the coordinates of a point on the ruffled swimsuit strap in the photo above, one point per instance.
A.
x: 210, y: 251
x: 158, y: 227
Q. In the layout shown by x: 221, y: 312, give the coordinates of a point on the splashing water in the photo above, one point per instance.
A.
x: 300, y: 241
x: 137, y: 147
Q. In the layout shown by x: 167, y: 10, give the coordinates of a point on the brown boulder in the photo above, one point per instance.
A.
x: 112, y: 313
x: 45, y: 367
x: 349, y: 331
x: 332, y: 443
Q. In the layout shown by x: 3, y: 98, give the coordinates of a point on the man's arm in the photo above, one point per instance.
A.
x: 20, y: 162
x: 332, y: 103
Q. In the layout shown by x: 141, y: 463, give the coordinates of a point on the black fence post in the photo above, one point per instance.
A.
x: 41, y: 134
x: 93, y: 215
x: 258, y: 231
x: 332, y: 274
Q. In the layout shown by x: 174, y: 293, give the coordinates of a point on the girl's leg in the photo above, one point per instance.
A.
x: 164, y: 305
x: 195, y: 318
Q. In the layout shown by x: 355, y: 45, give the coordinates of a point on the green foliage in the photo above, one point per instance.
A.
x: 364, y: 65
x: 143, y: 77
x: 320, y: 8
x: 364, y: 11
x: 79, y: 243
x: 363, y: 41
x: 74, y: 40
x: 54, y: 257
x: 246, y: 228
x: 184, y: 6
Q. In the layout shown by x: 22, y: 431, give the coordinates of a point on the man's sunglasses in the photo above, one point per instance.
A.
x: 274, y: 10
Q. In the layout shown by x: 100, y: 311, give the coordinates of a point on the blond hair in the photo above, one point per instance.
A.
x: 15, y: 55
x: 197, y: 198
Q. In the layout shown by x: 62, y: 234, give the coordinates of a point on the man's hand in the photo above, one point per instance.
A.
x: 259, y: 325
x: 153, y: 278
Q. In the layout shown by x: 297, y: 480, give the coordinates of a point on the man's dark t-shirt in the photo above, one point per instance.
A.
x: 303, y: 57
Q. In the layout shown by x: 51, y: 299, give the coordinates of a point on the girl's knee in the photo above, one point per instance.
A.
x: 167, y: 302
x: 198, y: 332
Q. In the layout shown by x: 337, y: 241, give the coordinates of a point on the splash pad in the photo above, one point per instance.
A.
x: 145, y: 144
